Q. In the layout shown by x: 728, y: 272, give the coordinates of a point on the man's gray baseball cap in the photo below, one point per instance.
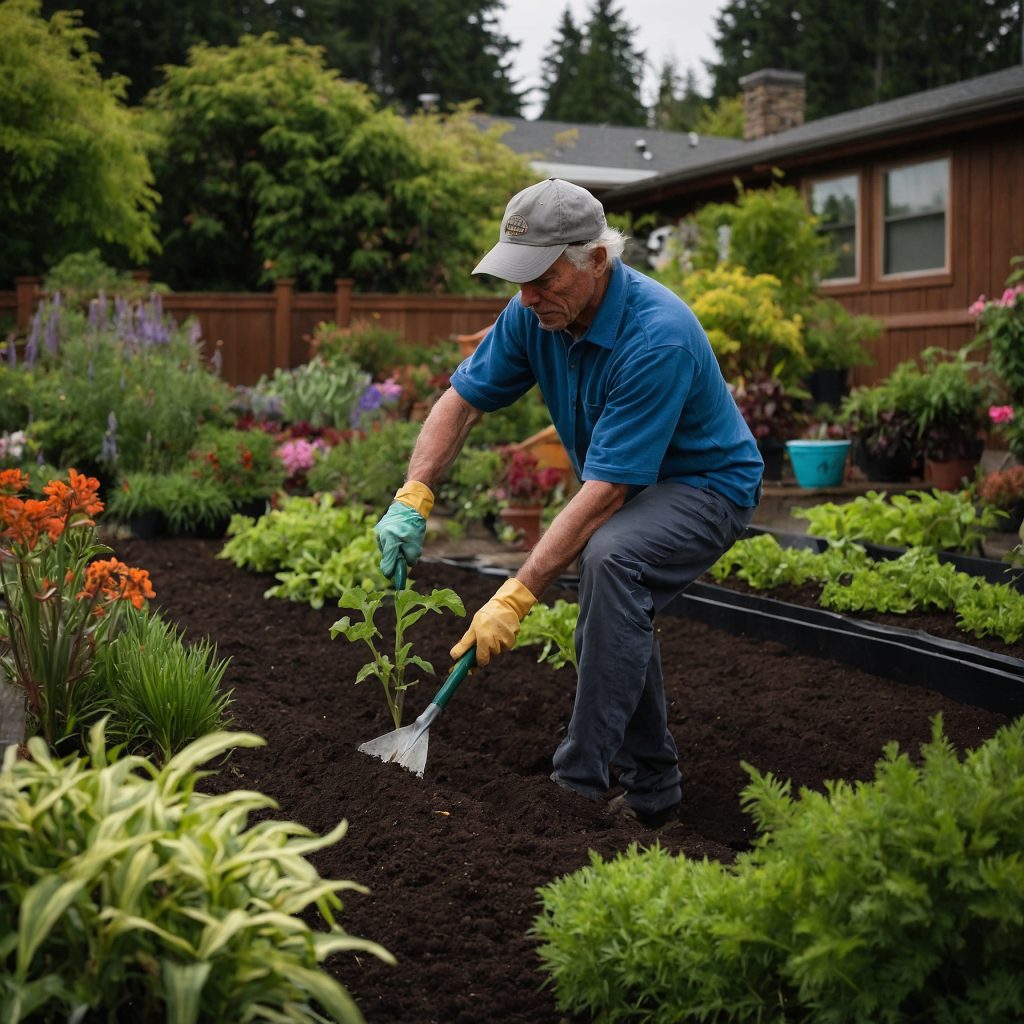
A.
x: 539, y: 223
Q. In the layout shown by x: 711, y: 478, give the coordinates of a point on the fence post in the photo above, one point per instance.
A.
x: 27, y: 292
x: 343, y: 301
x: 283, y: 293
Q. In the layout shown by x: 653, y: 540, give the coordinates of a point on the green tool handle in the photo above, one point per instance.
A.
x: 455, y: 677
x: 400, y: 573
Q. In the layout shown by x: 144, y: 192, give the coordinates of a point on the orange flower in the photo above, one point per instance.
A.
x: 13, y: 480
x: 111, y: 580
x: 80, y: 496
x: 25, y: 521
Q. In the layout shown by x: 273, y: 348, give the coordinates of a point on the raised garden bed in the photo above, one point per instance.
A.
x: 453, y: 859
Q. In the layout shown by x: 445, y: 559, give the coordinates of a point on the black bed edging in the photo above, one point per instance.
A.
x: 959, y: 671
x: 970, y: 675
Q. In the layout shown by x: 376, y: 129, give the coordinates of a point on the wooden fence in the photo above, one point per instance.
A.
x: 257, y: 332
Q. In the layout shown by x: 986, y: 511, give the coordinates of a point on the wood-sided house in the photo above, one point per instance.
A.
x: 923, y: 195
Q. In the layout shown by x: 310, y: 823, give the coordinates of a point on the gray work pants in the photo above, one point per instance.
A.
x: 655, y: 546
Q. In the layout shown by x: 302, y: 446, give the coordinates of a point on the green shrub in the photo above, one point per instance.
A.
x: 161, y: 693
x: 317, y: 393
x: 123, y: 390
x: 468, y: 489
x: 888, y: 902
x: 125, y: 894
x: 368, y: 467
x: 241, y: 462
x: 520, y: 420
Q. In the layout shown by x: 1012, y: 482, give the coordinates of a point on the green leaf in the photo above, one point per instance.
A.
x: 183, y: 989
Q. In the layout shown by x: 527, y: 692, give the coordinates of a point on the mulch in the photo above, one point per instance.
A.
x: 453, y: 860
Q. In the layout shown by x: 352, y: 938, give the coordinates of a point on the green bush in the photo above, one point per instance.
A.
x: 318, y: 393
x: 516, y: 422
x: 161, y: 693
x: 369, y: 466
x: 888, y: 902
x: 120, y: 391
x: 125, y: 894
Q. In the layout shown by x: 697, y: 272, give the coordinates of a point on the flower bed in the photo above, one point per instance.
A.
x: 453, y: 860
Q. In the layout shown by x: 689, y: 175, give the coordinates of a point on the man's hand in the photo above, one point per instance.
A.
x: 495, y: 626
x: 402, y: 528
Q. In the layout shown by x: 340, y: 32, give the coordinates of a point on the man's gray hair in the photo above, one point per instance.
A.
x: 612, y: 240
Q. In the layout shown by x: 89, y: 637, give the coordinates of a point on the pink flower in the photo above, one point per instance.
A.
x: 1010, y: 295
x: 298, y: 455
x: 977, y: 307
x: 1000, y: 414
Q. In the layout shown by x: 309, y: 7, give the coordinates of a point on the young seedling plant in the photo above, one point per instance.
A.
x: 410, y: 607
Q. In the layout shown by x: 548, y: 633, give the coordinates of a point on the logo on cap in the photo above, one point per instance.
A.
x: 516, y: 225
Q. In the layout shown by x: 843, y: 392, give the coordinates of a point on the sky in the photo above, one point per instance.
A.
x: 682, y: 29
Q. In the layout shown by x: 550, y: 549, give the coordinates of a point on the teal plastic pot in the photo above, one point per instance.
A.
x: 818, y: 463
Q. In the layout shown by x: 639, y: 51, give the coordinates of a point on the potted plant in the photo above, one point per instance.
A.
x: 1004, y: 489
x: 834, y: 342
x: 770, y: 409
x: 525, y: 489
x: 952, y: 398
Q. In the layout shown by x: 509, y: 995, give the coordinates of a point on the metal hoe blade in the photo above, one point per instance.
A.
x: 406, y: 746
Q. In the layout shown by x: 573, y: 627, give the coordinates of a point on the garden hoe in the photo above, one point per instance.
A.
x: 408, y: 746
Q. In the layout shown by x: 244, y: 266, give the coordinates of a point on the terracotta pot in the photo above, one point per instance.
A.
x: 949, y: 474
x: 526, y: 519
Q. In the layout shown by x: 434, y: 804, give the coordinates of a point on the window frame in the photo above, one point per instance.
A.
x: 858, y: 225
x: 930, y: 275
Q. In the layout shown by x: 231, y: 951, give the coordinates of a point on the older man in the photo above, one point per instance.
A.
x: 670, y: 476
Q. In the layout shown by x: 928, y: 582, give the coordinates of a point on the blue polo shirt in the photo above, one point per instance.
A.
x: 638, y: 399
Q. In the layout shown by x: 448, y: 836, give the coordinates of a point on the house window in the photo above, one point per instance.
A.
x: 834, y: 201
x: 916, y: 205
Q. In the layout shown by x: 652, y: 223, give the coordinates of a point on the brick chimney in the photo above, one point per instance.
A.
x: 773, y: 101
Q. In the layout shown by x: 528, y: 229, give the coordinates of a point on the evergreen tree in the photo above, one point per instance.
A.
x: 450, y: 48
x: 854, y: 55
x: 605, y: 88
x: 560, y: 66
x: 679, y: 103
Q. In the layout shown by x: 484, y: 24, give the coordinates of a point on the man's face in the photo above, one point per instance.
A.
x: 564, y: 297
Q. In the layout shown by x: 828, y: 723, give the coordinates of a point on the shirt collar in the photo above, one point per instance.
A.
x: 605, y: 328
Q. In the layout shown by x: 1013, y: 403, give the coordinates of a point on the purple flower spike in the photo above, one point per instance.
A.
x: 52, y: 340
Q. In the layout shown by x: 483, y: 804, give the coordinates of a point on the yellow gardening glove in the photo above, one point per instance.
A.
x: 495, y: 626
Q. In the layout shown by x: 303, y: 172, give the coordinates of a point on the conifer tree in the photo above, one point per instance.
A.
x: 603, y: 84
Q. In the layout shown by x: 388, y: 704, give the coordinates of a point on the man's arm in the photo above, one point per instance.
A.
x: 592, y: 506
x: 441, y: 437
x: 495, y: 626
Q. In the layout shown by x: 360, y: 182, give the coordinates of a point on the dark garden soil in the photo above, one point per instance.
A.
x: 453, y: 860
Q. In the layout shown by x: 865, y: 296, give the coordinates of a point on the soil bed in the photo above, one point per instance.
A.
x: 453, y: 860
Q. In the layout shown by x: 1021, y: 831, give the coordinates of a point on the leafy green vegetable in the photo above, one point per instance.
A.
x: 552, y: 627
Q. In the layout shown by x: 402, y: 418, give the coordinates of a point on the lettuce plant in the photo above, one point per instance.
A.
x: 317, y: 548
x: 125, y: 894
x: 552, y: 627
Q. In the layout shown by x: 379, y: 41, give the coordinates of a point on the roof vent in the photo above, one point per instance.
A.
x: 694, y: 140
